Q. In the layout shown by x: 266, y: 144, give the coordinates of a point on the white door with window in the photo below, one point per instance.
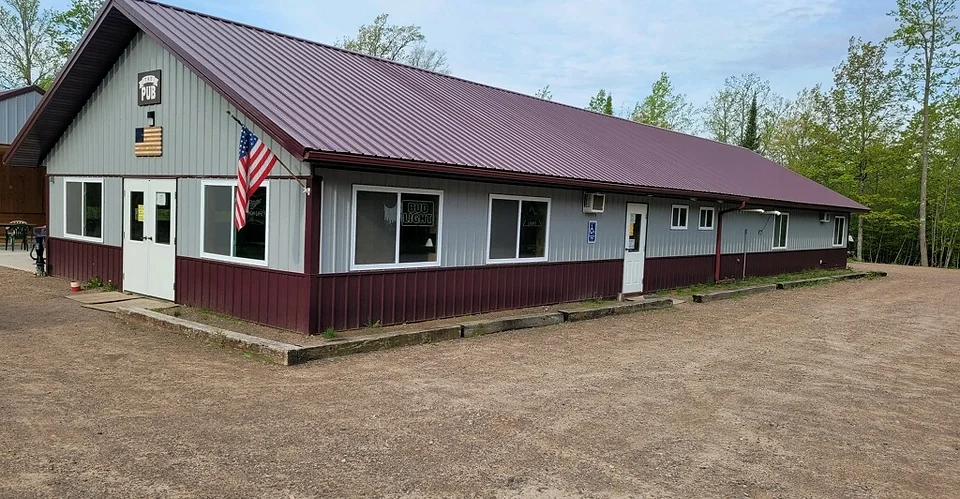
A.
x: 149, y: 236
x: 635, y: 248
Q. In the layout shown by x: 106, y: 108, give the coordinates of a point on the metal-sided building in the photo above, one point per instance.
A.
x: 21, y: 189
x: 426, y: 195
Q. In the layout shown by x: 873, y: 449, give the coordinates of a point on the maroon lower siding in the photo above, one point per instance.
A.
x: 271, y: 297
x: 354, y: 300
x: 673, y: 272
x: 82, y: 260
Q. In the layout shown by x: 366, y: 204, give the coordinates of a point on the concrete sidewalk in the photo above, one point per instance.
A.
x: 19, y: 259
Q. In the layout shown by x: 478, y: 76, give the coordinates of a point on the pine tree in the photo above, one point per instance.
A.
x: 608, y: 107
x: 750, y: 139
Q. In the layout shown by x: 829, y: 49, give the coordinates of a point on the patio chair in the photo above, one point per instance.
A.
x: 18, y: 230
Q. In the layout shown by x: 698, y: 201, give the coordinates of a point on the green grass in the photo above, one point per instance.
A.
x: 330, y: 333
x: 754, y: 281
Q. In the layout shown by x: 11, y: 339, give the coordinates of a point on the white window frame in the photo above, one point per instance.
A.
x: 786, y: 240
x: 396, y: 252
x: 83, y: 205
x: 520, y: 200
x: 843, y: 236
x: 233, y: 231
x: 713, y: 217
x: 686, y: 219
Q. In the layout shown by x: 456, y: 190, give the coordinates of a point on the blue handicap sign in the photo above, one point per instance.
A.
x: 592, y: 231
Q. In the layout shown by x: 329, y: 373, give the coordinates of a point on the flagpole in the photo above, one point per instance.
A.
x: 295, y: 177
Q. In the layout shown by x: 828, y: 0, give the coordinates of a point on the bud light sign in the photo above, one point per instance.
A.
x: 418, y: 214
x: 148, y: 88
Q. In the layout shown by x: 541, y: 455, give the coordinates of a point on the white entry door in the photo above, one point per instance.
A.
x: 635, y: 248
x: 149, y: 236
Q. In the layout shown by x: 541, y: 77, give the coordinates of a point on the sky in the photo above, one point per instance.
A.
x: 578, y: 47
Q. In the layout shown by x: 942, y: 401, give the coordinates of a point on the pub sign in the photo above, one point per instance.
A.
x: 148, y: 88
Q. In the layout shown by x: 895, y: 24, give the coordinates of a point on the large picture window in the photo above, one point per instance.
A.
x: 839, y: 231
x: 395, y: 227
x: 83, y: 208
x: 518, y: 228
x: 781, y: 224
x: 221, y: 239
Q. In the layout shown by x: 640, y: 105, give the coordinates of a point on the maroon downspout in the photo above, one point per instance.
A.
x: 311, y: 252
x: 716, y: 268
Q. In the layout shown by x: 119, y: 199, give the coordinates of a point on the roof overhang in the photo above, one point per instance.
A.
x: 20, y: 91
x: 356, y: 161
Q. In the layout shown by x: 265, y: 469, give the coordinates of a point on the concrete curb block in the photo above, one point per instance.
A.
x: 877, y: 273
x: 477, y: 328
x: 816, y: 280
x: 582, y: 314
x: 372, y: 344
x: 733, y: 293
x: 275, y: 351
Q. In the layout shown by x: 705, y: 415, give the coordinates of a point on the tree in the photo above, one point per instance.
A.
x: 865, y: 100
x: 664, y: 107
x: 544, y: 93
x: 28, y: 49
x: 728, y: 111
x: 750, y: 139
x: 926, y: 34
x: 601, y: 103
x: 403, y: 44
x: 73, y: 23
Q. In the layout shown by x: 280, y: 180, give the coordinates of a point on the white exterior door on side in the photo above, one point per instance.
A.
x: 149, y: 236
x: 634, y: 248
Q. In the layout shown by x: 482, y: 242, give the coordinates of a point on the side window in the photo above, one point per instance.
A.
x: 221, y: 239
x: 781, y: 225
x: 839, y: 231
x: 518, y: 228
x: 83, y: 205
x: 395, y: 227
x: 678, y: 217
x: 706, y: 218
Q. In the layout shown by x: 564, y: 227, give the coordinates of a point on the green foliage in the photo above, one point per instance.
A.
x: 73, y: 23
x: 727, y: 114
x: 601, y: 103
x: 608, y: 106
x: 544, y: 93
x: 664, y: 107
x: 28, y: 49
x: 750, y: 140
x: 393, y: 42
x: 330, y: 333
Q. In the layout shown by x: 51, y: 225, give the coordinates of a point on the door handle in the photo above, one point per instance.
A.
x: 145, y: 238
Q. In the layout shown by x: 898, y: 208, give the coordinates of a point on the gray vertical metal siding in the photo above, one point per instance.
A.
x: 198, y: 137
x: 465, y: 206
x: 286, y: 223
x: 14, y: 113
x: 464, y: 219
x: 112, y: 221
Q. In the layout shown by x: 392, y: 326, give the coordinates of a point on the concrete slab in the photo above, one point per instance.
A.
x: 629, y: 307
x: 137, y: 302
x: 104, y: 297
x: 375, y: 343
x: 19, y: 259
x: 808, y: 282
x: 477, y: 328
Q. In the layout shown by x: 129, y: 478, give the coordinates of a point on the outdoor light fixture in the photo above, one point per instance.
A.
x: 774, y: 213
x: 755, y: 210
x: 151, y: 118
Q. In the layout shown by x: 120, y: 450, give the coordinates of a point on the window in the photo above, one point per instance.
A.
x: 678, y: 219
x: 83, y: 207
x: 706, y: 218
x: 221, y: 239
x: 518, y: 228
x: 839, y: 231
x: 395, y: 227
x: 781, y: 223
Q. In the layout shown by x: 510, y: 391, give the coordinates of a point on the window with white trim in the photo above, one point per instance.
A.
x: 839, y: 231
x: 707, y: 215
x: 678, y: 217
x: 221, y: 239
x: 781, y: 224
x: 518, y: 228
x: 83, y: 208
x: 395, y: 227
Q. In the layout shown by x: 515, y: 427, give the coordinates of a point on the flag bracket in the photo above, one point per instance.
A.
x: 306, y: 190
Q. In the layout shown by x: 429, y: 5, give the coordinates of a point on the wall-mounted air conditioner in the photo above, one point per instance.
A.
x: 593, y: 202
x: 824, y: 217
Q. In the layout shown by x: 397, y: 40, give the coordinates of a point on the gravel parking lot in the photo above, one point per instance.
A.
x: 845, y: 390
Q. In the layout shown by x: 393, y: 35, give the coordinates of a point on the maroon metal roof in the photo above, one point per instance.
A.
x: 315, y: 99
x: 11, y: 93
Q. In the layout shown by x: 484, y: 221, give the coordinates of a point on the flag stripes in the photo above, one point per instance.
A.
x: 254, y: 164
x: 148, y: 142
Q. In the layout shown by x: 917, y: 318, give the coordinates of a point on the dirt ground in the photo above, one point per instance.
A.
x: 845, y: 390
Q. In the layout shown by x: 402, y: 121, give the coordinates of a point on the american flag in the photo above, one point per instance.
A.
x: 256, y: 161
